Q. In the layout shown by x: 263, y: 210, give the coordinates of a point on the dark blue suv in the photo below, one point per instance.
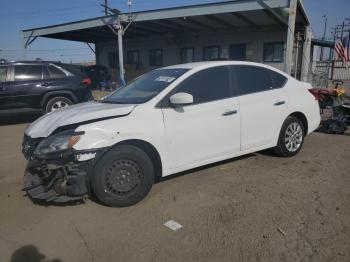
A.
x: 42, y: 85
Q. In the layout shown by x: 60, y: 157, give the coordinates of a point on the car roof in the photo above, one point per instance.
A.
x: 207, y: 64
x: 5, y: 62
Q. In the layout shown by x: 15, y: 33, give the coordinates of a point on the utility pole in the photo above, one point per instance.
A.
x: 106, y: 7
x: 335, y: 34
x: 324, y: 36
x: 334, y: 38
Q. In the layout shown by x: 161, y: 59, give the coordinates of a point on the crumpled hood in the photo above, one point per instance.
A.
x: 79, y: 113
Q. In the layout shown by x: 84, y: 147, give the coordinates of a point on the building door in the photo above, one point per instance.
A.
x: 238, y: 52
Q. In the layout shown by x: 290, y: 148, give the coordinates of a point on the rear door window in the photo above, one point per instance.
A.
x: 55, y: 72
x: 207, y: 85
x: 3, y: 73
x: 252, y: 79
x: 28, y: 72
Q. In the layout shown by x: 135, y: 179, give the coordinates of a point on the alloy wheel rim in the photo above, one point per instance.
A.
x: 293, y: 137
x: 59, y: 105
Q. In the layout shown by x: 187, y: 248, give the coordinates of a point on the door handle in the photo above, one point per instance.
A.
x: 3, y: 88
x: 229, y: 112
x: 45, y: 84
x: 279, y: 103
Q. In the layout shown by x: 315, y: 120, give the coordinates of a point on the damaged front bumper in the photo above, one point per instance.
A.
x: 58, y: 177
x: 57, y: 181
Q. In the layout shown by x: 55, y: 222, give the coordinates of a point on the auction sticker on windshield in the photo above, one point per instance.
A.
x: 167, y: 79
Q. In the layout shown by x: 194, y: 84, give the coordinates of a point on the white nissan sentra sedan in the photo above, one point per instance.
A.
x: 166, y: 121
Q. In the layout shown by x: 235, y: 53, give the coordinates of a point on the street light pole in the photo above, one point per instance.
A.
x: 324, y: 35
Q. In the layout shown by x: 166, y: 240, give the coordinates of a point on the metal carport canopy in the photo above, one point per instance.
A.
x: 211, y: 16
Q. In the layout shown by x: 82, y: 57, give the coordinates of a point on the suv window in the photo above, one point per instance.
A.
x: 207, y: 85
x: 55, y: 72
x: 252, y: 79
x: 3, y: 73
x: 28, y: 72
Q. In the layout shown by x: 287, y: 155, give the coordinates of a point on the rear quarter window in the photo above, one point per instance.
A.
x: 278, y: 80
x: 56, y: 72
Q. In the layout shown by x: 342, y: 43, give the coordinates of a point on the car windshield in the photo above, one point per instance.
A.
x: 145, y: 87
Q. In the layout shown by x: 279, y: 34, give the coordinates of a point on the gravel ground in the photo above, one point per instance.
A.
x: 255, y: 208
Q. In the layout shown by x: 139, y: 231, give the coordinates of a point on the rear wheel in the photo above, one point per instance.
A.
x: 123, y: 176
x: 291, y: 137
x: 57, y: 103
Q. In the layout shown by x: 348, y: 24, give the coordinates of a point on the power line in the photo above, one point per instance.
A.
x: 56, y: 10
x: 44, y: 50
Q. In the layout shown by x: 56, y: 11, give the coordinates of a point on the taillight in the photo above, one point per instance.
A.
x: 320, y: 93
x: 315, y: 93
x: 86, y: 81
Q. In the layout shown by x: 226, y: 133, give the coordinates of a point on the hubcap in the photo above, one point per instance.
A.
x: 58, y: 105
x: 293, y: 137
x: 123, y: 177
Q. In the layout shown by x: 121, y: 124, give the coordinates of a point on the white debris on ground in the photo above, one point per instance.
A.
x: 173, y: 225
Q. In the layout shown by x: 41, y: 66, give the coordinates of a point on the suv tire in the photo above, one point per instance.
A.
x: 291, y: 137
x: 57, y: 102
x: 123, y: 176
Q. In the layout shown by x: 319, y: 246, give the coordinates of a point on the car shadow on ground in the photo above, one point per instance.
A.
x: 30, y: 253
x: 18, y: 117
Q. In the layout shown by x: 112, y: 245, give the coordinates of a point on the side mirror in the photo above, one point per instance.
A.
x: 181, y: 99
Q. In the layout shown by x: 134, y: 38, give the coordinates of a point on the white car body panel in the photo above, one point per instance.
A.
x: 78, y: 113
x: 260, y: 117
x: 195, y: 135
x: 191, y: 130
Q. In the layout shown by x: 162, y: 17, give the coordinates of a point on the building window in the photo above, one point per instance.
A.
x: 156, y: 57
x: 133, y: 57
x: 273, y: 52
x: 211, y: 53
x: 187, y: 55
x: 112, y: 59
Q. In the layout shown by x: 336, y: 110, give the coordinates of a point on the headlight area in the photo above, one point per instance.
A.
x: 58, y: 146
x: 55, y: 173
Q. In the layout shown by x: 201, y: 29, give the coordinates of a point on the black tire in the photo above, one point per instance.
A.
x: 51, y: 104
x: 284, y: 150
x: 123, y: 176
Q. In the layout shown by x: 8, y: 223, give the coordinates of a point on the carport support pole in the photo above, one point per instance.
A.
x: 120, y: 50
x: 290, y: 37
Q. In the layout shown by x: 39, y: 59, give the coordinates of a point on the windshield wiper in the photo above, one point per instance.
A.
x: 112, y: 102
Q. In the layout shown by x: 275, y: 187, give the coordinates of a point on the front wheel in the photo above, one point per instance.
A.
x: 123, y: 176
x: 291, y: 137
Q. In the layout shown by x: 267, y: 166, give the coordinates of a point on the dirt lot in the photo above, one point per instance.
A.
x: 255, y: 208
